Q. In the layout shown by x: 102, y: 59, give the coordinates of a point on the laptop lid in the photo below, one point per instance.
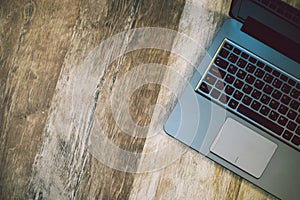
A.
x: 273, y: 22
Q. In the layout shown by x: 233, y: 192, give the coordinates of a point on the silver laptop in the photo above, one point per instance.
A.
x: 242, y: 106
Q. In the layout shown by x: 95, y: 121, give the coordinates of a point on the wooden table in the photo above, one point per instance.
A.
x: 84, y: 94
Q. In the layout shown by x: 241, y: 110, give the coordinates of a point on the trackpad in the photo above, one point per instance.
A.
x: 243, y: 147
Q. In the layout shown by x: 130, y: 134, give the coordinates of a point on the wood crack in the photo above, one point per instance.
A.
x: 28, y: 13
x: 85, y: 153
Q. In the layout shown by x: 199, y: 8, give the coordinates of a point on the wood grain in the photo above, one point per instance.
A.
x: 35, y: 38
x: 53, y: 39
x: 59, y: 74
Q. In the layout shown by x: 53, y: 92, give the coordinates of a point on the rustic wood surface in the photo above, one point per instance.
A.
x: 60, y: 70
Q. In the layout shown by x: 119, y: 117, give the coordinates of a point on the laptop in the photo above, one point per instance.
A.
x: 241, y: 107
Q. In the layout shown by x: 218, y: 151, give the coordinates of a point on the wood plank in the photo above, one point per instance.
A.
x: 84, y: 88
x: 35, y: 39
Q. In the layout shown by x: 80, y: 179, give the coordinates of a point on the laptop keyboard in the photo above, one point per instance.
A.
x: 255, y: 90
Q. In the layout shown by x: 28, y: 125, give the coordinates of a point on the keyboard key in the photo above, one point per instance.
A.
x: 228, y: 46
x: 250, y: 68
x: 241, y: 63
x: 273, y: 115
x: 217, y: 72
x: 229, y: 79
x: 283, y: 109
x: 268, y: 78
x: 220, y: 85
x: 268, y: 68
x: 232, y: 58
x: 292, y: 114
x: 233, y: 103
x: 253, y: 60
x: 259, y: 84
x: 255, y: 105
x: 283, y: 77
x: 238, y: 84
x: 259, y: 73
x: 237, y: 51
x: 292, y: 82
x: 215, y: 93
x: 238, y: 95
x: 256, y: 94
x: 295, y: 93
x: 244, y: 55
x: 221, y: 63
x: 276, y: 73
x: 210, y: 79
x: 286, y: 88
x: 274, y: 104
x: 260, y: 64
x: 246, y: 100
x: 250, y: 79
x: 265, y: 99
x: 296, y: 140
x: 247, y: 89
x: 277, y: 94
x: 282, y: 120
x: 294, y: 104
x: 229, y: 90
x: 224, y: 53
x: 268, y: 89
x: 205, y: 88
x: 232, y: 69
x: 291, y: 126
x: 260, y: 119
x: 287, y: 135
x: 285, y: 99
x: 241, y: 74
x: 224, y: 98
x: 277, y: 83
x: 264, y: 110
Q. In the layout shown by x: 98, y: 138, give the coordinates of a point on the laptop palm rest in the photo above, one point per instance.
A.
x: 243, y: 147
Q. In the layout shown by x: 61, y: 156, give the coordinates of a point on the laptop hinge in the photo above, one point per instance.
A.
x: 273, y: 39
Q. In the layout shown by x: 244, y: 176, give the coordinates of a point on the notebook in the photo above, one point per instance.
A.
x: 243, y: 107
